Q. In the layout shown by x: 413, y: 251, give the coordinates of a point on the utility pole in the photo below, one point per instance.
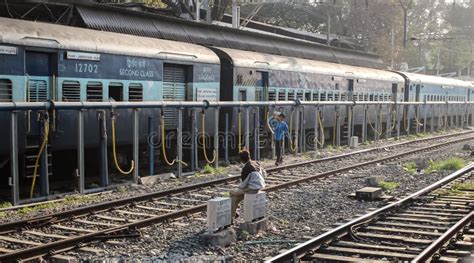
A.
x: 328, y: 36
x: 405, y: 14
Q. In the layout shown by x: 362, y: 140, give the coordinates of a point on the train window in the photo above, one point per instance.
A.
x: 135, y: 92
x: 316, y: 96
x: 291, y: 95
x: 116, y: 91
x: 336, y: 95
x: 6, y: 90
x: 282, y: 95
x: 307, y: 96
x: 94, y: 91
x: 371, y: 97
x: 323, y: 96
x: 71, y: 91
x: 299, y: 95
x: 242, y: 95
x: 330, y: 95
x: 271, y: 95
x: 343, y: 96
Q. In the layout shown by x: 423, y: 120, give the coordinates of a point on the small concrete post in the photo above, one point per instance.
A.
x: 15, y: 179
x: 80, y: 150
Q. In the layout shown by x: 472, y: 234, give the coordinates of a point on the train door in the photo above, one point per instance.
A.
x: 175, y: 79
x: 40, y: 69
x: 394, y: 92
x: 417, y: 90
x: 350, y: 89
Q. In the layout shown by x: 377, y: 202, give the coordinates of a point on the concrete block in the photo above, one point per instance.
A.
x: 63, y: 259
x: 254, y: 228
x: 374, y: 181
x: 467, y: 147
x: 221, y: 238
x: 218, y: 213
x: 255, y: 206
x: 152, y: 179
x: 369, y: 193
x: 354, y: 142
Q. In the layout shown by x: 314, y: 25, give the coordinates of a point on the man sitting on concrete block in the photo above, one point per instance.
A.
x: 252, y: 180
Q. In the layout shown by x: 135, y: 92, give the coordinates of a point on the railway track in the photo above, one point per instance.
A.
x: 427, y: 225
x: 55, y: 233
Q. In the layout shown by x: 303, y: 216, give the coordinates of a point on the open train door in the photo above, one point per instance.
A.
x: 261, y: 94
x: 40, y: 69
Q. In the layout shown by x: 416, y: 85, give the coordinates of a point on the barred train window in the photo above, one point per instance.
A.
x: 71, y: 91
x: 291, y: 95
x: 135, y: 92
x: 271, y: 95
x: 281, y: 95
x: 316, y: 96
x: 307, y: 96
x: 94, y: 91
x: 6, y: 90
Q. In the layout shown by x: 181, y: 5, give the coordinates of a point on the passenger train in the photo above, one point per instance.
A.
x: 41, y: 62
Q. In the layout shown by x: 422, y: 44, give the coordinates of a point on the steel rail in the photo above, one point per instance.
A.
x: 432, y: 249
x: 12, y: 226
x: 312, y: 244
x: 50, y: 248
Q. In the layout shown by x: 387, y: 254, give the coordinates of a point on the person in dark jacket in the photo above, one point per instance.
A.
x: 252, y: 181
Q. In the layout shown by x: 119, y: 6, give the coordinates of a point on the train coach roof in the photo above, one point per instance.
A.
x: 20, y: 32
x: 260, y: 60
x: 427, y: 79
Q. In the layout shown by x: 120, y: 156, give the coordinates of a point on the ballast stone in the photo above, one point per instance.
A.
x: 152, y: 179
x: 254, y: 227
x: 221, y: 238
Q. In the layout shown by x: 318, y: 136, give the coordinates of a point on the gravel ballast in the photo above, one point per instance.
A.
x: 294, y: 214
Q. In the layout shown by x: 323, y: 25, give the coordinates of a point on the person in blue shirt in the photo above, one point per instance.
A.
x: 280, y: 131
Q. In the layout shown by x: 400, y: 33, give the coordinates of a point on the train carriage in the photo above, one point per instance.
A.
x: 251, y: 76
x: 424, y: 88
x: 42, y: 62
